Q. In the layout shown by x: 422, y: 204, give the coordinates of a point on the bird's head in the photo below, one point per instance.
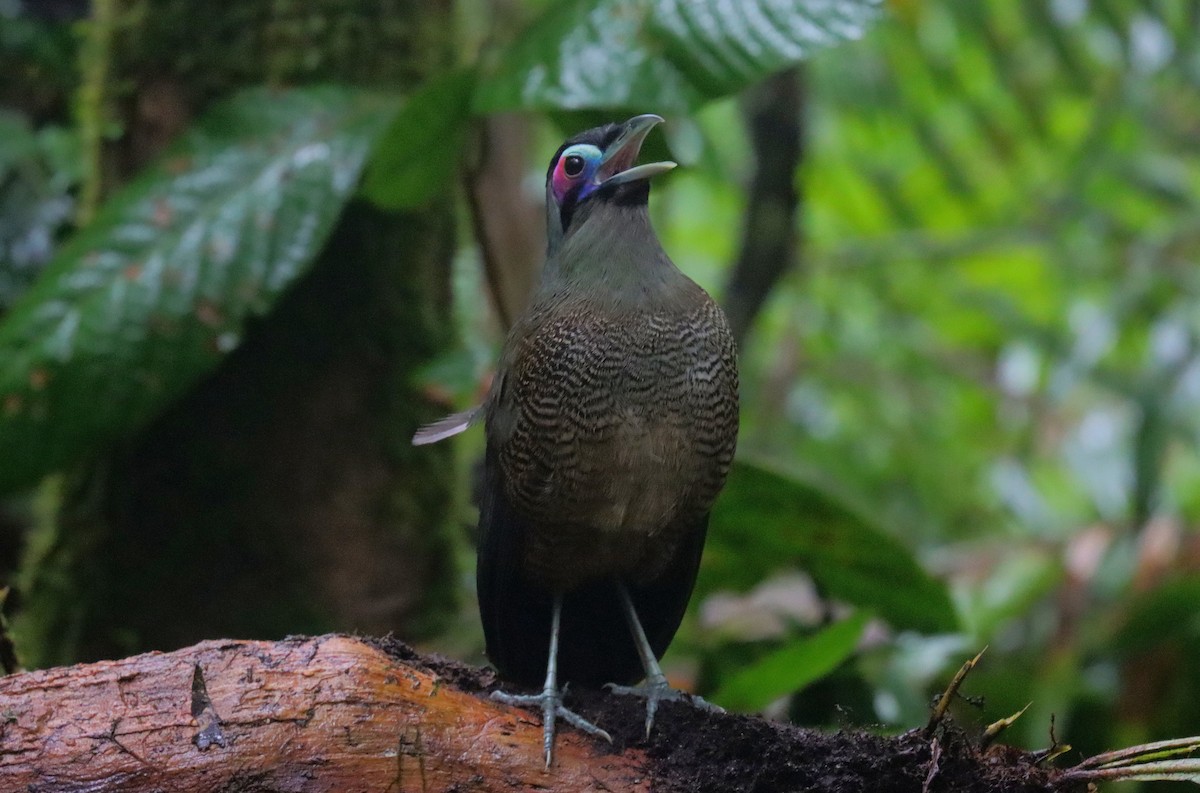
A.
x: 598, y: 166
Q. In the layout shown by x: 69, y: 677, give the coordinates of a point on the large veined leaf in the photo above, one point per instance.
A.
x: 764, y: 519
x: 661, y: 55
x: 159, y: 287
x: 666, y: 55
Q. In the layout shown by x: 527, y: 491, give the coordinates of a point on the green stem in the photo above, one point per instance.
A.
x: 94, y: 64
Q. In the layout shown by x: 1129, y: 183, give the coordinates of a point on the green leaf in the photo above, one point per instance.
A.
x: 417, y: 156
x: 586, y: 54
x: 792, y: 667
x: 764, y: 521
x: 159, y: 287
x: 663, y: 55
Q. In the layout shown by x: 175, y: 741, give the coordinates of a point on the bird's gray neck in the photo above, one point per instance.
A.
x: 611, y: 253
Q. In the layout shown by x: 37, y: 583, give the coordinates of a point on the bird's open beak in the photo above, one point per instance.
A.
x: 617, y: 166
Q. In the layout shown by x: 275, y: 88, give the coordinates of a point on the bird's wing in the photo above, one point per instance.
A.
x: 445, y: 427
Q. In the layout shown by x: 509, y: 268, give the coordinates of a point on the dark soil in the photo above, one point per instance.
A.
x: 694, y: 749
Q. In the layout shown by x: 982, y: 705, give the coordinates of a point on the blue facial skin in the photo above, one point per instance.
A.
x: 576, y: 170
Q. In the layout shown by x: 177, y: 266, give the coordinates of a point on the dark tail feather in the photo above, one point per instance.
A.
x: 595, y: 645
x: 515, y: 616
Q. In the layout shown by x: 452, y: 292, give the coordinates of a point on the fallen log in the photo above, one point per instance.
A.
x: 338, y: 713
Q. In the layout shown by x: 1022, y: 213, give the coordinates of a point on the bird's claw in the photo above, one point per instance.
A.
x: 550, y: 702
x: 656, y: 689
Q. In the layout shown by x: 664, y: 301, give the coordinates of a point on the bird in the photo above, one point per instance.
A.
x: 611, y: 425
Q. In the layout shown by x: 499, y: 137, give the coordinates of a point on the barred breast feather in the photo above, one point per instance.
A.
x: 623, y: 430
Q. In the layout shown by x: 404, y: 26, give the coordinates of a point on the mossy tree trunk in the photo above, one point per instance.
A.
x: 282, y: 494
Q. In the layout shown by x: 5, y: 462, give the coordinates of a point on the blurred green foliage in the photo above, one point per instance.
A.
x: 991, y: 344
x: 849, y: 557
x: 972, y: 410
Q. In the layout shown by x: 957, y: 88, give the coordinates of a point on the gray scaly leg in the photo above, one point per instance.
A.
x: 656, y: 688
x: 550, y: 700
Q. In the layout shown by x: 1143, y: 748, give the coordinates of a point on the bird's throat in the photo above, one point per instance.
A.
x: 611, y: 254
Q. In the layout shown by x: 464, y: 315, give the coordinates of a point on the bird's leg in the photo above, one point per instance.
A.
x: 550, y: 700
x: 656, y: 688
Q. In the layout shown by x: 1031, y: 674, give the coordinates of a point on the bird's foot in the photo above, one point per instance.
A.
x: 550, y: 701
x: 656, y: 689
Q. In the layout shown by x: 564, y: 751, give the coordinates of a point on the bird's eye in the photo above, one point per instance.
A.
x: 573, y: 165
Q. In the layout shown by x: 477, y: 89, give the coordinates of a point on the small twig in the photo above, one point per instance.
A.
x: 935, y: 755
x: 1056, y: 749
x: 1148, y: 762
x: 995, y: 728
x: 1182, y: 770
x: 1149, y: 751
x: 939, y: 711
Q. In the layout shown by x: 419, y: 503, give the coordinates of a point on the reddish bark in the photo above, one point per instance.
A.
x: 349, y: 715
x: 328, y: 714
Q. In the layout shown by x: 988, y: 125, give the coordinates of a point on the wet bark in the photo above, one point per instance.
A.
x: 337, y: 713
